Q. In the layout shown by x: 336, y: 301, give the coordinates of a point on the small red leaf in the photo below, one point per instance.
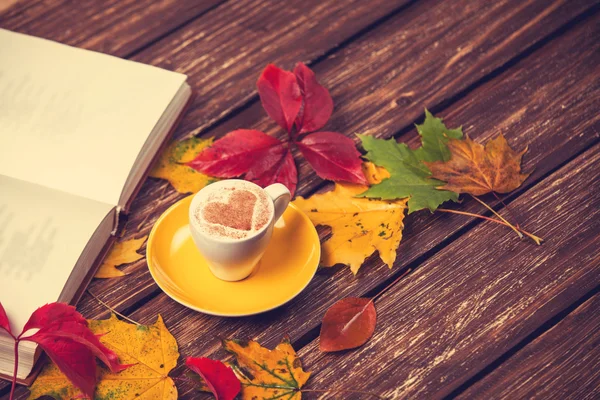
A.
x: 280, y: 95
x: 347, y: 324
x: 234, y: 154
x: 4, y: 323
x: 219, y: 378
x: 333, y: 156
x: 317, y: 104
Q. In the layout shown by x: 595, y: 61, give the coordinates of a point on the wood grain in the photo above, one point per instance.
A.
x: 117, y: 27
x: 545, y: 93
x: 153, y: 200
x: 224, y: 51
x: 377, y: 84
x: 563, y: 363
x: 479, y: 296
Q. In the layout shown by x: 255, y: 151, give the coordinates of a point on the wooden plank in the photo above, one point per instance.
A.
x: 224, y: 51
x: 117, y: 27
x: 157, y: 197
x: 480, y: 296
x: 503, y: 104
x: 563, y: 363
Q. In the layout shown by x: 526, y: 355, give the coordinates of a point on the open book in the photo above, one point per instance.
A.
x: 78, y: 132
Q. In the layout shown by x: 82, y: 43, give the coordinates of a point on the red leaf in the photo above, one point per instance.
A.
x: 53, y: 313
x: 234, y: 154
x: 264, y: 159
x: 276, y: 167
x: 4, y: 323
x: 82, y: 335
x: 219, y: 378
x: 333, y: 156
x: 347, y: 324
x: 317, y: 104
x: 280, y: 95
x: 64, y: 335
x: 73, y: 359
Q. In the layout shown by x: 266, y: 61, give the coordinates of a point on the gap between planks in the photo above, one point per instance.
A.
x: 545, y: 327
x: 171, y: 31
x: 235, y: 111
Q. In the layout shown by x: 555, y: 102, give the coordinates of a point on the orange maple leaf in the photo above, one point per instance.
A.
x: 478, y: 170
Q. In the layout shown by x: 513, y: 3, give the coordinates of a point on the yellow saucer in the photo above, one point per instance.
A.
x: 288, y: 265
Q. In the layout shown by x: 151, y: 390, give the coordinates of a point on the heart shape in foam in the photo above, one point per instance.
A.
x: 237, y: 213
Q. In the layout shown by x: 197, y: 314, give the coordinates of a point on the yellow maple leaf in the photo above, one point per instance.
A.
x: 151, y: 349
x: 121, y: 253
x: 171, y: 165
x: 359, y: 226
x: 267, y: 374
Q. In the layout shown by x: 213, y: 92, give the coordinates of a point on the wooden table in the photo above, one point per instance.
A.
x: 481, y: 314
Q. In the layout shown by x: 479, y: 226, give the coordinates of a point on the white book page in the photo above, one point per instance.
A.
x: 73, y: 119
x: 42, y: 234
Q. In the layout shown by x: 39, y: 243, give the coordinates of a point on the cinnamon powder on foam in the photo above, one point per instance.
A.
x: 238, y: 217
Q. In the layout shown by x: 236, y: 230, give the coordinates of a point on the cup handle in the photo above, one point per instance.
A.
x: 281, y: 197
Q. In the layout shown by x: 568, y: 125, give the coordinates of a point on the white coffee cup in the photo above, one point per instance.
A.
x: 232, y: 259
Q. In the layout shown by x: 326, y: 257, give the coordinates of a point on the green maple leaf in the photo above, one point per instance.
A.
x: 409, y: 177
x: 434, y: 137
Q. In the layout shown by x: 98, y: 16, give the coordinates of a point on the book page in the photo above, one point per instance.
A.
x: 73, y: 119
x: 42, y: 234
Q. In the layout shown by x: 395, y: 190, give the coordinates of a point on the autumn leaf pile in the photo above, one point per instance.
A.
x: 137, y: 360
x: 66, y: 338
x: 151, y: 352
x: 409, y: 176
x: 444, y: 166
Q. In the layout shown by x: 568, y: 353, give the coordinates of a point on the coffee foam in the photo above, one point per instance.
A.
x: 216, y: 216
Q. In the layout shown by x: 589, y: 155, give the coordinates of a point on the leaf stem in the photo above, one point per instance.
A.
x: 378, y: 295
x: 536, y: 239
x: 342, y: 391
x: 506, y: 207
x: 499, y: 216
x: 15, y: 370
x: 112, y: 309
